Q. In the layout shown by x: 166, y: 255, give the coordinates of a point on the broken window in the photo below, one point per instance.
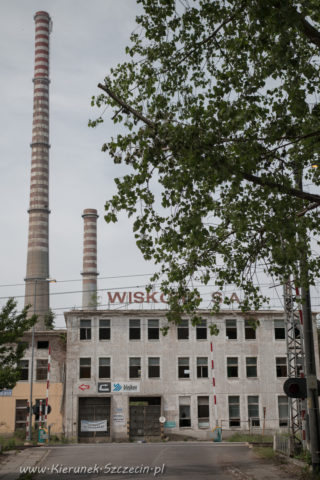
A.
x: 183, y: 367
x: 85, y: 368
x: 135, y: 367
x: 234, y: 410
x: 104, y: 367
x: 203, y: 412
x: 42, y: 370
x: 104, y: 329
x: 85, y: 329
x: 231, y: 329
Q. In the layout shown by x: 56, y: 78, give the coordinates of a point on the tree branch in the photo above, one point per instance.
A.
x: 127, y: 107
x: 311, y: 197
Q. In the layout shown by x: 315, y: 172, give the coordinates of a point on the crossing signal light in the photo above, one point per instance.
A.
x: 297, y: 387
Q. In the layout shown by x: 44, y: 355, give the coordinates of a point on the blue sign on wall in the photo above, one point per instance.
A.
x: 5, y: 393
x: 170, y: 425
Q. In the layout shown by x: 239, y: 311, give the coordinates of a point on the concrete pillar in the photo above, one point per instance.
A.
x: 89, y: 273
x: 37, y: 287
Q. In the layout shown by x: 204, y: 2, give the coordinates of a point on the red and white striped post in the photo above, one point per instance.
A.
x: 27, y: 420
x: 47, y: 393
x: 213, y: 384
x: 40, y: 414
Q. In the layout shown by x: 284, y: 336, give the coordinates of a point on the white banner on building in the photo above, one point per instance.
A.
x: 98, y: 426
x: 125, y: 387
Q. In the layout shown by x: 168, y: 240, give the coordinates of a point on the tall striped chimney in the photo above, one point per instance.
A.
x: 89, y: 273
x: 37, y: 286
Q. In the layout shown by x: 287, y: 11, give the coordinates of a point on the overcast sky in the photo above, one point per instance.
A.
x: 87, y: 39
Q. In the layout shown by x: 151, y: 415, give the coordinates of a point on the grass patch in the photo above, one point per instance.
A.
x: 265, y: 452
x: 245, y: 437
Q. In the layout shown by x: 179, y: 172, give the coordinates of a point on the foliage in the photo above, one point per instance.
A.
x: 247, y: 437
x: 220, y: 129
x: 12, y: 326
x: 49, y: 320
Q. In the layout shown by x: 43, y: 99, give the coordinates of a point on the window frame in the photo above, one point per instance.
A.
x: 231, y: 328
x: 234, y: 365
x: 201, y: 367
x: 249, y: 330
x: 256, y: 419
x: 182, y: 366
x: 154, y: 367
x: 138, y: 367
x: 283, y: 421
x: 134, y: 330
x: 106, y: 329
x: 153, y: 330
x: 250, y: 366
x: 89, y: 365
x: 104, y: 366
x: 280, y: 367
x: 182, y: 329
x: 234, y: 420
x: 205, y: 419
x: 202, y: 330
x: 277, y: 329
x: 42, y: 369
x: 85, y: 333
x: 24, y: 369
x: 185, y: 404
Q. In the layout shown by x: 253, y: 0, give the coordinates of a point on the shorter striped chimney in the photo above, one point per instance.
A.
x: 89, y: 273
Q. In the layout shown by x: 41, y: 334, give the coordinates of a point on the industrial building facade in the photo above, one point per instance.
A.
x: 123, y: 374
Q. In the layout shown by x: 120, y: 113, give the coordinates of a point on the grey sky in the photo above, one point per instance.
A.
x: 87, y: 39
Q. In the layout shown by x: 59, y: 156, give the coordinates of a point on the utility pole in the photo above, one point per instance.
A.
x: 310, y: 362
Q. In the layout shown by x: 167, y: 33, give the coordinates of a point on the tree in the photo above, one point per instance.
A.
x: 49, y: 320
x: 220, y: 131
x: 12, y: 326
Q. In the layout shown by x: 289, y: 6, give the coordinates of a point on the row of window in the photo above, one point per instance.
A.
x: 184, y: 371
x: 253, y: 410
x: 41, y: 369
x: 153, y: 329
x: 203, y: 412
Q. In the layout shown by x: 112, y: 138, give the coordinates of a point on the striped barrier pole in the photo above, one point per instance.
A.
x: 47, y: 393
x: 40, y: 413
x: 213, y: 384
x: 27, y: 420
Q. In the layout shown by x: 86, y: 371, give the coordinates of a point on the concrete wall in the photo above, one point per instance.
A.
x: 265, y: 347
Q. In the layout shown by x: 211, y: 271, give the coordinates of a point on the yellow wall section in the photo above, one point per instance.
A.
x: 22, y: 392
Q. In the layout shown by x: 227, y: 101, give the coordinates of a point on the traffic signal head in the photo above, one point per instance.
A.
x: 295, y: 387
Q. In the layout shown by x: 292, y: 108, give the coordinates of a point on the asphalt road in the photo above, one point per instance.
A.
x: 167, y: 461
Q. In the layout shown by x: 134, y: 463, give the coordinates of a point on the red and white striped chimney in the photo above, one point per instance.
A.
x: 37, y: 286
x: 89, y: 273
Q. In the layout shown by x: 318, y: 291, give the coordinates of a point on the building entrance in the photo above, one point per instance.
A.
x: 94, y: 419
x: 144, y: 416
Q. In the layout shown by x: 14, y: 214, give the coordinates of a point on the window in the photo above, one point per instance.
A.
x: 183, y: 367
x: 104, y: 329
x: 183, y: 330
x: 153, y: 329
x: 232, y: 367
x: 184, y: 412
x: 21, y: 414
x: 253, y: 410
x: 85, y: 329
x: 251, y: 366
x: 203, y: 412
x: 135, y: 367
x: 85, y: 368
x: 42, y: 344
x: 134, y: 330
x: 249, y: 331
x: 202, y: 367
x: 42, y: 370
x: 279, y: 330
x: 202, y: 330
x: 234, y: 411
x: 281, y: 367
x: 231, y: 329
x: 104, y: 368
x: 283, y: 409
x: 24, y: 368
x: 154, y: 367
